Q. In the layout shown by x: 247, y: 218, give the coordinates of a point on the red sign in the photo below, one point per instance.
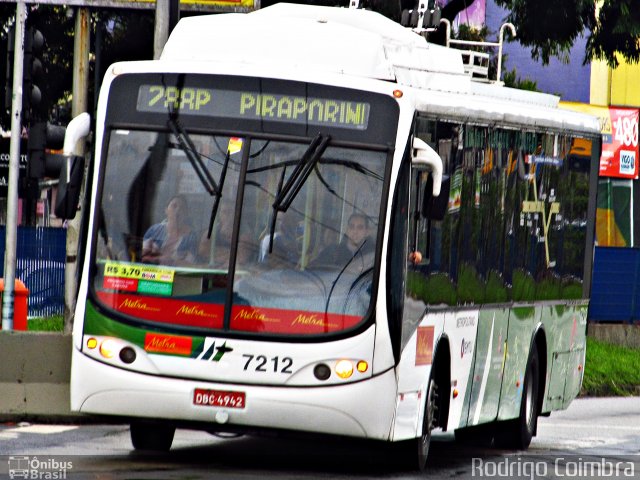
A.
x: 165, y: 310
x: 176, y: 345
x: 245, y: 318
x: 424, y: 346
x: 124, y: 284
x: 620, y: 149
x: 276, y: 320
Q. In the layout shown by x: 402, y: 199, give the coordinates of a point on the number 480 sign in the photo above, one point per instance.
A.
x: 623, y: 150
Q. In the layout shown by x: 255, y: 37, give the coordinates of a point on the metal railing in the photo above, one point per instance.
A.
x: 40, y: 264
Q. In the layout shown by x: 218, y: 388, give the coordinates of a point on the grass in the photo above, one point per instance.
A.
x: 611, y: 370
x: 47, y: 324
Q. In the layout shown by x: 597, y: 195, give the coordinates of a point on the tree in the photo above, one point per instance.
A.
x: 550, y: 27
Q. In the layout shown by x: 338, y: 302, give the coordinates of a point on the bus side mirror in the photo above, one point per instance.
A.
x: 69, y: 186
x: 435, y: 208
x: 436, y: 193
x: 426, y: 158
x: 72, y: 168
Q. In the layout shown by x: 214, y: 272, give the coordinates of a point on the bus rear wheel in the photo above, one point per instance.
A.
x: 151, y: 436
x: 517, y: 434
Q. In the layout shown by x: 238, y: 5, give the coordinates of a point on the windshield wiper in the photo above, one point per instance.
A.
x: 218, y: 194
x: 302, y: 171
x: 194, y: 157
x: 274, y: 214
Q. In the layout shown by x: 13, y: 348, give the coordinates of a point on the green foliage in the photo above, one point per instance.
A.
x: 549, y: 288
x: 496, y: 290
x: 471, y: 288
x: 610, y: 370
x: 549, y: 27
x: 571, y: 288
x: 46, y: 324
x: 617, y: 30
x: 511, y: 79
x: 466, y: 32
x: 439, y: 290
x: 524, y: 286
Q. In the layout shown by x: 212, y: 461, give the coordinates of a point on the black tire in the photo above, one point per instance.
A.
x: 422, y: 443
x: 517, y: 434
x: 152, y: 437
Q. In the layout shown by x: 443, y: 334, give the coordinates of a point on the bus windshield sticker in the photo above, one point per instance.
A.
x: 174, y: 311
x: 170, y: 344
x: 331, y: 112
x: 235, y: 145
x: 147, y: 279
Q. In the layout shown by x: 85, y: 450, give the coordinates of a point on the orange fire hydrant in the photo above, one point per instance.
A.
x: 20, y: 300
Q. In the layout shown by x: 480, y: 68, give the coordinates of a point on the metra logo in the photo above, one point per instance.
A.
x: 193, y: 310
x: 155, y: 342
x: 313, y: 320
x: 138, y: 305
x: 253, y: 314
x: 213, y: 353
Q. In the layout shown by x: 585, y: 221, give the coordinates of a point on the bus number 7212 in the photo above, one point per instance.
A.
x: 260, y: 363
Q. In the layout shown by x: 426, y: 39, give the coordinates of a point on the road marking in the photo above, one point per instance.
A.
x: 43, y: 429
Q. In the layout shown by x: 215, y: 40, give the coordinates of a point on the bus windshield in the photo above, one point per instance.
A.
x: 237, y: 233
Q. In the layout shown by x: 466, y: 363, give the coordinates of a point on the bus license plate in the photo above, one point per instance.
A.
x: 218, y: 398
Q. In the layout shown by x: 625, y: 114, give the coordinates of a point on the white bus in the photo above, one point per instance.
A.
x: 310, y: 219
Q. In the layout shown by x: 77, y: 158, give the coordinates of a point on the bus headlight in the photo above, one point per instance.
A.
x: 344, y: 368
x: 108, y: 348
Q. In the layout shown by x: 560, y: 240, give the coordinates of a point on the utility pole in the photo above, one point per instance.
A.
x: 14, y: 169
x: 79, y: 105
x: 167, y: 15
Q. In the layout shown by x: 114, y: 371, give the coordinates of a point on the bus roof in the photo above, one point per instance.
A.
x: 363, y: 43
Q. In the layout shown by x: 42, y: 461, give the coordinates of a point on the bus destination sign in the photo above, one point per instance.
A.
x: 254, y: 106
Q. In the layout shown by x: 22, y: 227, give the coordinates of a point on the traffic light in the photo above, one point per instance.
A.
x: 44, y: 140
x: 33, y: 74
x: 8, y: 88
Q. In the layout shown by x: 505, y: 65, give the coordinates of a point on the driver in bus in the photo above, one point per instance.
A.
x: 354, y: 251
x: 172, y: 241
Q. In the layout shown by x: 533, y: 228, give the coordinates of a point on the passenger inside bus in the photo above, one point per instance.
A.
x: 172, y: 241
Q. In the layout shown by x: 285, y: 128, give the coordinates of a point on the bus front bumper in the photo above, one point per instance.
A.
x: 362, y: 409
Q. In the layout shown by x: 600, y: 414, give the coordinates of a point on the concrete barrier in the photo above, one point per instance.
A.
x: 625, y: 335
x: 34, y: 376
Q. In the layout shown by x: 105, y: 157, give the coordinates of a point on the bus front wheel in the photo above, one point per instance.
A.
x: 424, y: 440
x: 152, y: 437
